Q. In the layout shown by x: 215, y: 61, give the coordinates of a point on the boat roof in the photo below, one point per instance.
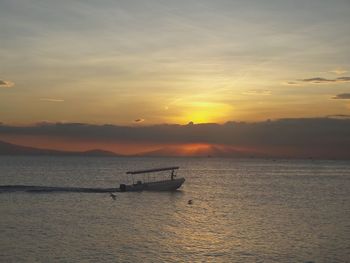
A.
x: 153, y: 170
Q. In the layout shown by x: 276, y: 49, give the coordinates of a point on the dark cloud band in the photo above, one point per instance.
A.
x: 311, y: 132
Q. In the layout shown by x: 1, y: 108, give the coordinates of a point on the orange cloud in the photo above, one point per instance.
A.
x: 139, y: 120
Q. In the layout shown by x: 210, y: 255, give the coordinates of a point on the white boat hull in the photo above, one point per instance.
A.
x: 166, y: 185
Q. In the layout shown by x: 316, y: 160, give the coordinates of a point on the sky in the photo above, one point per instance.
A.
x: 155, y: 62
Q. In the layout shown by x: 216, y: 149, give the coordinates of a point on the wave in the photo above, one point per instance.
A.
x: 49, y: 189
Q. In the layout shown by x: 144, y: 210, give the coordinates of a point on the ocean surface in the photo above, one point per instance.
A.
x: 243, y: 210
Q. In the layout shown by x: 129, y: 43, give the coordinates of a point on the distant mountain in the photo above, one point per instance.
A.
x: 13, y: 149
x: 170, y: 151
x: 98, y: 152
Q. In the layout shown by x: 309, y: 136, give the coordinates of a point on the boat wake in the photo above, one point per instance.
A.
x: 50, y: 189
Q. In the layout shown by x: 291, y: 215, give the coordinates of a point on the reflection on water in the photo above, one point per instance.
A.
x: 242, y: 211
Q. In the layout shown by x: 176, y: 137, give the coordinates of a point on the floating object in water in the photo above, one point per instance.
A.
x: 153, y: 185
x: 190, y: 202
x: 113, y: 196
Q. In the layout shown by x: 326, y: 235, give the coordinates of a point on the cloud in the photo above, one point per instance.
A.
x: 338, y: 71
x: 343, y: 79
x: 6, y: 84
x: 51, y: 100
x: 342, y: 96
x: 257, y: 92
x: 310, y: 136
x: 139, y: 120
x: 319, y: 80
x: 291, y: 83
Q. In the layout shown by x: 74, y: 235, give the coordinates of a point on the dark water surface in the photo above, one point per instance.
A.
x: 249, y: 210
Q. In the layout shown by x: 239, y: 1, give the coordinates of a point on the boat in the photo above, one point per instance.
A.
x: 147, y: 181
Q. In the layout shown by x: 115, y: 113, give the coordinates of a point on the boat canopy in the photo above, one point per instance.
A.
x: 153, y: 170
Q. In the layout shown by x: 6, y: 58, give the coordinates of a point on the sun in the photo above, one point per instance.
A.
x: 206, y: 112
x: 201, y: 117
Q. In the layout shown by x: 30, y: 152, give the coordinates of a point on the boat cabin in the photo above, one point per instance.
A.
x: 149, y: 176
x: 148, y: 180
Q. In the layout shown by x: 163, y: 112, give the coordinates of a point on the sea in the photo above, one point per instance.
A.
x: 242, y: 210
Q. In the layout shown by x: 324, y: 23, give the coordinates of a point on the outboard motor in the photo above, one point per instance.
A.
x: 122, y: 187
